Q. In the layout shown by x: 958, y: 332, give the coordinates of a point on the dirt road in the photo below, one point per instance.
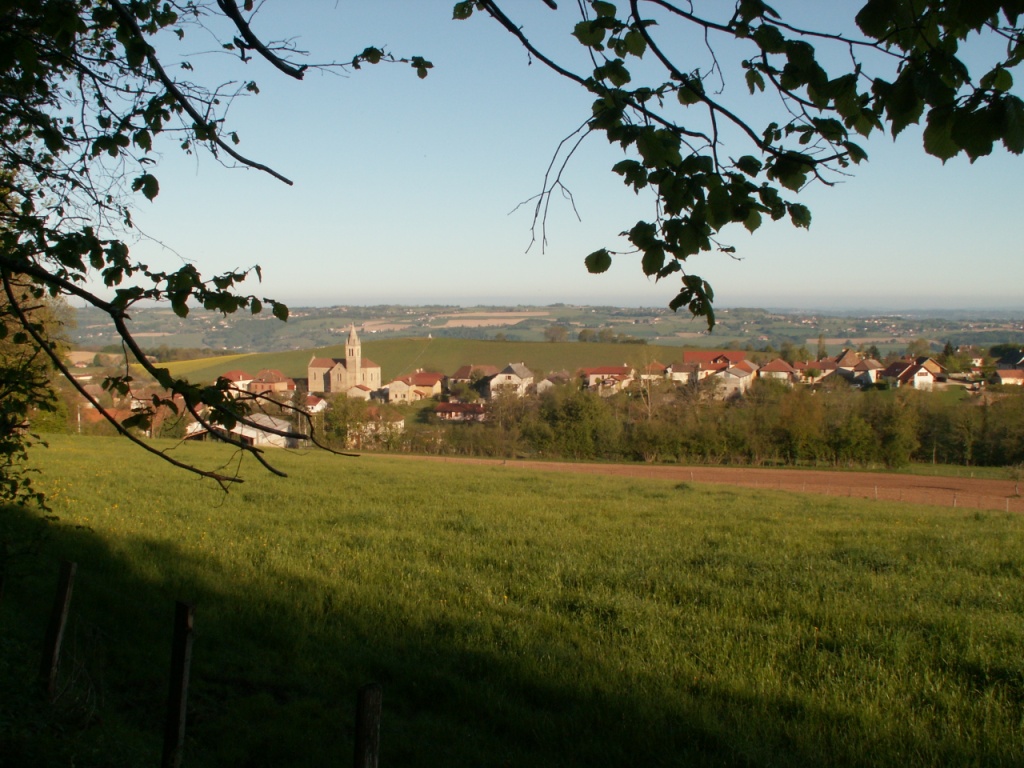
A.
x: 967, y: 492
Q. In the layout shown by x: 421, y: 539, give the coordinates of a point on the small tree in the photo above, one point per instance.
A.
x: 556, y: 333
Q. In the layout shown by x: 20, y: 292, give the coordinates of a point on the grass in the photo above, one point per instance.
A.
x: 513, y: 618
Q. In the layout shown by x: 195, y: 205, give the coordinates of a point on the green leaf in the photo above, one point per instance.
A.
x: 598, y: 262
x: 690, y: 92
x: 421, y: 66
x: 634, y: 43
x: 719, y: 207
x: 614, y: 72
x: 590, y: 33
x: 790, y: 170
x: 800, y: 215
x: 769, y: 39
x: 462, y: 10
x: 148, y: 184
x: 749, y: 165
x: 603, y: 9
x: 698, y: 298
x: 754, y: 80
x: 280, y: 311
x: 857, y: 155
x: 1013, y: 124
x: 256, y: 306
x: 632, y: 172
x: 1003, y: 80
x: 938, y: 138
x: 653, y: 260
x: 753, y: 220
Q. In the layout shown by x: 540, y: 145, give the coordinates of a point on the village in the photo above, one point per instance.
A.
x: 464, y: 394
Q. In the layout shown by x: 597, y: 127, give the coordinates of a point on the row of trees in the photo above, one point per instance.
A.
x: 772, y: 425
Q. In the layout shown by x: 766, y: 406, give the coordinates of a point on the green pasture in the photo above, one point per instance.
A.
x: 398, y: 357
x: 513, y: 618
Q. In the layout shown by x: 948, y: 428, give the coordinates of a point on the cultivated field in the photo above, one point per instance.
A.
x: 398, y: 357
x: 513, y: 617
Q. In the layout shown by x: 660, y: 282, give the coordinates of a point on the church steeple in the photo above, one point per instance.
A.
x: 353, y: 353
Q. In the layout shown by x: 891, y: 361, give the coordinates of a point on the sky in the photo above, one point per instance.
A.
x: 406, y: 190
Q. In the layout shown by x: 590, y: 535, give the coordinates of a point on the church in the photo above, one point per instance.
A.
x: 354, y: 374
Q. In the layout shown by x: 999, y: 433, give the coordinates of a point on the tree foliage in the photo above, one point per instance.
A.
x: 709, y: 165
x: 91, y: 91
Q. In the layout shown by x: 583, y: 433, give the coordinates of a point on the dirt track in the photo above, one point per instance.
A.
x: 915, y: 489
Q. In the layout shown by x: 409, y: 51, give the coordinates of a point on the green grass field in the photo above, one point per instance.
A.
x: 398, y: 357
x: 513, y: 619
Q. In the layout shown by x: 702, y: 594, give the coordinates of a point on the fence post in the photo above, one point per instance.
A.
x: 55, y: 629
x: 177, y: 697
x: 368, y: 707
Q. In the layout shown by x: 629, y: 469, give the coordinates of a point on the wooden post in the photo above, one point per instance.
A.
x: 368, y: 708
x: 55, y: 629
x: 181, y: 658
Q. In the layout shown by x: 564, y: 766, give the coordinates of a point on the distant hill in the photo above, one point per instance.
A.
x: 398, y: 357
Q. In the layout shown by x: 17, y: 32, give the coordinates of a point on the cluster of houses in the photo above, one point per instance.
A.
x: 728, y: 372
x: 731, y: 370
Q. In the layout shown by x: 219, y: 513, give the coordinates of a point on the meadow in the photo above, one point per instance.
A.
x: 513, y: 618
x: 399, y: 357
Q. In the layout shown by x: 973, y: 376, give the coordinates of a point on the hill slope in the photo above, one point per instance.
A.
x: 398, y: 357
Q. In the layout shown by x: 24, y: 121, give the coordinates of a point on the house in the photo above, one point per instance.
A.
x: 331, y: 374
x: 237, y: 380
x: 865, y: 373
x: 460, y: 411
x: 654, y: 371
x: 683, y: 373
x: 718, y: 358
x: 1011, y: 377
x: 271, y: 380
x: 814, y: 371
x: 417, y: 386
x: 259, y: 431
x: 920, y: 373
x: 778, y: 370
x: 514, y: 378
x: 607, y: 379
x: 846, y: 361
x: 734, y: 380
x: 314, y: 404
x: 553, y: 380
x: 471, y: 374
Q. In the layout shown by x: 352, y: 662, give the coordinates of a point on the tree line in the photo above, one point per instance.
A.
x: 772, y: 425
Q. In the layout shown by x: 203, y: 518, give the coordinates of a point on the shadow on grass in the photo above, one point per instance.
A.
x: 273, y: 684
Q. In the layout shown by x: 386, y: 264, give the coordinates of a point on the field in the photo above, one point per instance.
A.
x: 513, y: 617
x: 398, y: 357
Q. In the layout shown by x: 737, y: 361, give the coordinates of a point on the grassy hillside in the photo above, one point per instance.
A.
x: 513, y: 618
x: 398, y: 357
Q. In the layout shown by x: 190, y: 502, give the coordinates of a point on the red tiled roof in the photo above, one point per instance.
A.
x: 236, y: 375
x: 778, y: 365
x: 467, y: 371
x: 426, y: 378
x: 271, y: 375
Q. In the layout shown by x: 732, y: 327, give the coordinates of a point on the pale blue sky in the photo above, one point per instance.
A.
x: 404, y: 187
